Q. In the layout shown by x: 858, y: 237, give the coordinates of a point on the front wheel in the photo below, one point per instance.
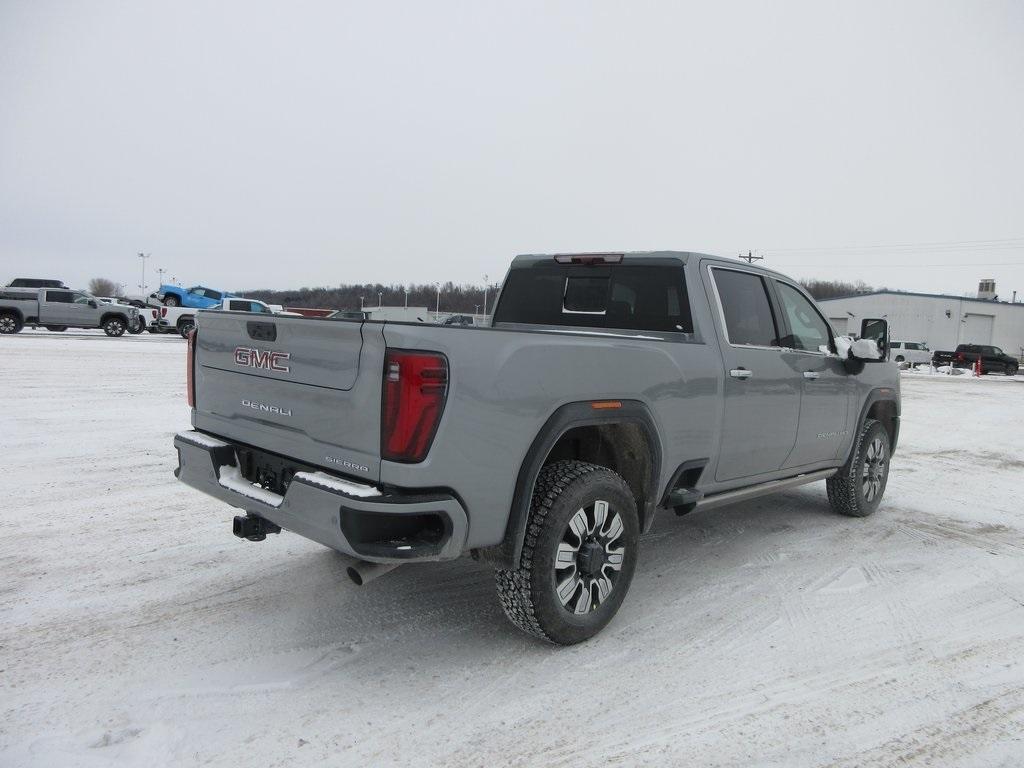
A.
x: 1011, y: 369
x: 856, y: 489
x: 579, y: 555
x: 114, y: 327
x: 172, y: 301
x: 185, y: 327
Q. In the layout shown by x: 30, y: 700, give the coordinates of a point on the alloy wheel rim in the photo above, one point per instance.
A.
x: 589, y: 558
x: 875, y: 466
x: 6, y: 324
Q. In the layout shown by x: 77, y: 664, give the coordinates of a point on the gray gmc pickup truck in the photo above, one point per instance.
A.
x: 607, y: 387
x: 58, y: 309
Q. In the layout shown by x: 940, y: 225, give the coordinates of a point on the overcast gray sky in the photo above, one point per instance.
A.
x: 253, y: 145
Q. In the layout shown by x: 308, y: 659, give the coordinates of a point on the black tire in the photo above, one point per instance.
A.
x: 899, y: 359
x: 529, y: 593
x: 57, y: 328
x: 114, y: 326
x: 1011, y: 369
x: 172, y: 301
x: 185, y: 327
x: 139, y: 327
x: 857, y: 488
x: 10, y: 323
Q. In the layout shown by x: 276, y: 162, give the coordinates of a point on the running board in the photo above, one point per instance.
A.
x: 763, y: 489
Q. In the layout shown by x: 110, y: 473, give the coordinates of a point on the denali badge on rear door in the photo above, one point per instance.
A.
x: 250, y: 357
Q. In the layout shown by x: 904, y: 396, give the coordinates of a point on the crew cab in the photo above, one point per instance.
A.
x: 607, y: 388
x: 993, y: 359
x: 58, y: 309
x: 197, y: 297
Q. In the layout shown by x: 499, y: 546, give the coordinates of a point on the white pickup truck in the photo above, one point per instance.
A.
x: 181, y: 320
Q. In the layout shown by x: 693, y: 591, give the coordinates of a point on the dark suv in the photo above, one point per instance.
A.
x: 36, y: 282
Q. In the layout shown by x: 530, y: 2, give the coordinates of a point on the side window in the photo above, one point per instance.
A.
x: 238, y: 306
x: 807, y: 329
x: 64, y: 297
x: 197, y: 291
x: 745, y: 306
x: 81, y: 298
x: 215, y: 295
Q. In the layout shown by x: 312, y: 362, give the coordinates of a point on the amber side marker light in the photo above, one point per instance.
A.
x: 603, y: 405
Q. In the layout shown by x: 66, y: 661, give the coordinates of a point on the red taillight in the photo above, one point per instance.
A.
x: 154, y: 314
x: 163, y: 311
x: 189, y: 365
x: 415, y: 387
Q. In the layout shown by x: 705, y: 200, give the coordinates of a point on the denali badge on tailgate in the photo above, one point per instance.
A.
x: 250, y: 357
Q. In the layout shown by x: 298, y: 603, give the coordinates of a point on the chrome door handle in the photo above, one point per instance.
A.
x: 812, y: 375
x: 741, y: 373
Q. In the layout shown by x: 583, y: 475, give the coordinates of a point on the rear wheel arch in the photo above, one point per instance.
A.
x: 624, y: 440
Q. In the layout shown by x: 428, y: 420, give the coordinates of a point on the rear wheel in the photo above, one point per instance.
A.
x: 899, y: 358
x: 172, y: 301
x: 856, y: 489
x: 114, y: 327
x: 1011, y: 369
x: 10, y: 324
x: 185, y: 327
x: 579, y: 554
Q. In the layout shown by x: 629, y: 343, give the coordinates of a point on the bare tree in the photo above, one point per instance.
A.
x: 101, y: 286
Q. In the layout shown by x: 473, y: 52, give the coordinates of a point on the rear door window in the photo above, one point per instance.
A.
x: 746, y: 309
x: 63, y: 297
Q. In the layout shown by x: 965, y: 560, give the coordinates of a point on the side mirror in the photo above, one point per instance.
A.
x: 877, y: 331
x: 93, y: 304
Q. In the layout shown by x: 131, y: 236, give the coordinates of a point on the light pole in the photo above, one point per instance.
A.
x: 476, y: 309
x: 380, y: 299
x: 437, y: 309
x: 143, y: 256
x: 485, y: 295
x: 120, y: 288
x: 406, y: 296
x: 360, y: 303
x: 160, y: 272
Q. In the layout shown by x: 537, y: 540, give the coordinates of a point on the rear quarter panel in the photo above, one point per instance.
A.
x: 505, y: 384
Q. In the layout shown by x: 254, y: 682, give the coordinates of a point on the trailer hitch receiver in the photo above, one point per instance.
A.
x: 253, y: 527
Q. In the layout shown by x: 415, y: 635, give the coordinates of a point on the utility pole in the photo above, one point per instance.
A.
x: 143, y: 256
x: 437, y: 309
x: 750, y: 258
x: 485, y: 295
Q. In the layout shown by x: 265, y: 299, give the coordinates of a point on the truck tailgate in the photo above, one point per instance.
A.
x: 306, y: 388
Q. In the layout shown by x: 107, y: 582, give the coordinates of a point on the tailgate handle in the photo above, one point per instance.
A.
x: 262, y: 331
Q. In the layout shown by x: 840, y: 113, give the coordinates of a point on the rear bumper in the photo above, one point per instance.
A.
x: 359, y: 520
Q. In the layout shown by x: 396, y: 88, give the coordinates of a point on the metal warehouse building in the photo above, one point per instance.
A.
x: 940, y: 321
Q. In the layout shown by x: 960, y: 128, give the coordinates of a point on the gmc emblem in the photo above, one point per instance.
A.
x: 248, y: 357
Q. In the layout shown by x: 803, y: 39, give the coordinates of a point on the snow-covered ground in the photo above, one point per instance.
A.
x: 135, y: 630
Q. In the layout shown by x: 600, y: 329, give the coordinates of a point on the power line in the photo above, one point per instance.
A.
x: 1006, y: 242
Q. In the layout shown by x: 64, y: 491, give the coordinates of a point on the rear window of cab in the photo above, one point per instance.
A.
x: 620, y: 297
